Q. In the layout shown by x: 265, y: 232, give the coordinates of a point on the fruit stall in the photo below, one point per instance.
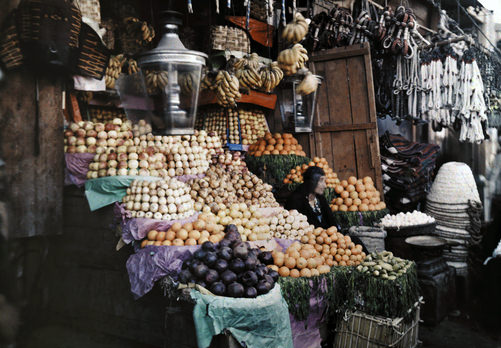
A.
x: 183, y: 146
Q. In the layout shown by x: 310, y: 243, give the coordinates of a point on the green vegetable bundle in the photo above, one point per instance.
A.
x: 273, y: 169
x: 359, y: 218
x: 346, y: 288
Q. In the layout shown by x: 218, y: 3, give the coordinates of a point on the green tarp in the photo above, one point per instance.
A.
x: 107, y: 190
x: 259, y: 322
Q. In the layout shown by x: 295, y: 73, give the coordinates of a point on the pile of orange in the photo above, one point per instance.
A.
x: 296, y: 174
x: 191, y: 233
x: 357, y: 195
x: 299, y: 260
x: 334, y: 247
x: 276, y: 144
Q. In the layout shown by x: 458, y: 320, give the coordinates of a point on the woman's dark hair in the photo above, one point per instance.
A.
x: 311, y: 177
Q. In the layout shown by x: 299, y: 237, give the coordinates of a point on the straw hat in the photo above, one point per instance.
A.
x: 454, y: 184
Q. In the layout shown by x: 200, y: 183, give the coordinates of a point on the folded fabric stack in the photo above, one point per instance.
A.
x: 455, y: 204
x: 407, y: 170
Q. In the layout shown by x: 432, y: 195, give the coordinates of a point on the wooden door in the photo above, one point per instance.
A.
x: 345, y: 127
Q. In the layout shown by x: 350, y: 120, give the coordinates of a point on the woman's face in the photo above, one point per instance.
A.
x: 319, y: 190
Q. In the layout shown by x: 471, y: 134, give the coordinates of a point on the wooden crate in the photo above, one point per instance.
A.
x: 345, y: 127
x: 361, y: 330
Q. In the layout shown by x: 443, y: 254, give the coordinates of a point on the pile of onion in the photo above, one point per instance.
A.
x: 167, y: 199
x: 231, y: 161
x: 202, y: 230
x: 290, y: 225
x: 336, y: 248
x: 221, y: 187
x: 141, y: 127
x: 357, y: 195
x: 299, y: 260
x: 89, y: 137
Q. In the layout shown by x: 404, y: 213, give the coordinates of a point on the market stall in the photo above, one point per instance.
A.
x: 189, y: 145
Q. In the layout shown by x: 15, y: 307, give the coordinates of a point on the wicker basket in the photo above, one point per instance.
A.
x: 372, y: 237
x: 360, y: 330
x: 227, y: 38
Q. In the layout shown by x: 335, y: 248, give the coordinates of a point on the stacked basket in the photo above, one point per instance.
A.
x: 450, y: 201
x: 227, y: 38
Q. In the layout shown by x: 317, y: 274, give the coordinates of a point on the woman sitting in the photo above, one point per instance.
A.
x: 309, y: 200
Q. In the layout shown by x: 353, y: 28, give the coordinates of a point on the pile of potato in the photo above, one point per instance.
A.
x: 251, y: 224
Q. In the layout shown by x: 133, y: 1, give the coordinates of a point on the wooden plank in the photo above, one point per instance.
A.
x: 338, y: 94
x: 265, y: 100
x: 358, y: 90
x: 345, y: 127
x: 340, y: 52
x: 370, y: 89
x: 34, y: 182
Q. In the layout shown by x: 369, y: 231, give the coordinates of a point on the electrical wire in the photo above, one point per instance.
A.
x: 496, y: 50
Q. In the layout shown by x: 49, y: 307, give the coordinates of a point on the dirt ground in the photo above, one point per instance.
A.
x: 450, y: 333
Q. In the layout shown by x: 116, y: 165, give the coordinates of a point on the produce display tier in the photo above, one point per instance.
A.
x: 272, y: 169
x: 238, y: 127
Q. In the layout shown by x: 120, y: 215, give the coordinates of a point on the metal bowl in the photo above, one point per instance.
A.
x: 426, y: 247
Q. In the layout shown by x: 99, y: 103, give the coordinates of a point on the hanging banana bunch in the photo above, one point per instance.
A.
x: 292, y: 59
x: 136, y: 35
x: 113, y: 70
x: 249, y: 78
x: 208, y: 82
x: 296, y: 30
x: 156, y: 81
x: 251, y: 61
x: 271, y: 76
x: 187, y: 81
x: 227, y: 87
x: 132, y: 67
x: 308, y: 85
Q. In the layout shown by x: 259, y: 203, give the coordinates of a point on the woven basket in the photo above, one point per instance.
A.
x: 372, y: 237
x: 228, y: 38
x: 10, y: 48
x: 361, y: 330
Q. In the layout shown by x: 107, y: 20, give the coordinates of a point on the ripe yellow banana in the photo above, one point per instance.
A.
x: 308, y: 85
x: 296, y: 30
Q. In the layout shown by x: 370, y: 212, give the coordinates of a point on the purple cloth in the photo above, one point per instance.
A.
x: 137, y: 229
x: 152, y: 263
x: 306, y: 334
x: 77, y: 166
x: 284, y: 243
